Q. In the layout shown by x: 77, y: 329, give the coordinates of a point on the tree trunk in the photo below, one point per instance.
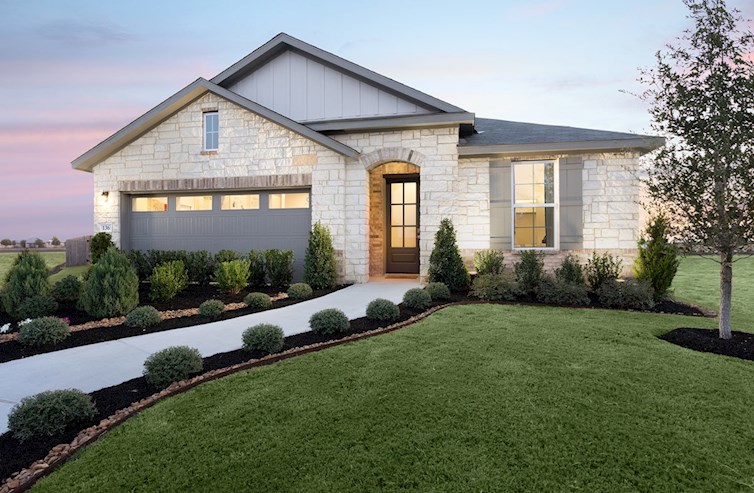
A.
x: 726, y: 290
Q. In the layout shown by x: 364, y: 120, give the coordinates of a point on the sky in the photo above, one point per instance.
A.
x: 74, y: 72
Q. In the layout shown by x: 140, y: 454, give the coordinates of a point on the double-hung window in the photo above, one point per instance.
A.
x: 211, y: 131
x: 535, y: 205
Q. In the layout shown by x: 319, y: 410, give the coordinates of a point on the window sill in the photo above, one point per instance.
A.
x: 209, y: 153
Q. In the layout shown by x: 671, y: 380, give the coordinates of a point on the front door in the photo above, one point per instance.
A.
x: 402, y: 224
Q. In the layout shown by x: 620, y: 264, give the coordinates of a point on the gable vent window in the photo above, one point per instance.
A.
x: 211, y: 131
x: 535, y: 191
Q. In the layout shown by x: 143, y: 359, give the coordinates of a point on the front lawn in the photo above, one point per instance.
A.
x: 474, y: 398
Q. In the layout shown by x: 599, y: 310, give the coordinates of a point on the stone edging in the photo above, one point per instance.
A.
x: 25, y: 479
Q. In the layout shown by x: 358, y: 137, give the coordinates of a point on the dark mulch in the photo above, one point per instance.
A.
x: 741, y: 345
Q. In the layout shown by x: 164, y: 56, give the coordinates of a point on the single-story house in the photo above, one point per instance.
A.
x: 292, y: 134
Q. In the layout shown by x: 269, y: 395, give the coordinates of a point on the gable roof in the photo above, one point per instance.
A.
x: 283, y: 42
x: 503, y: 136
x: 180, y: 100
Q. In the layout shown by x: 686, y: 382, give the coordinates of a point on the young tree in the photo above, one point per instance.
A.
x: 55, y: 241
x: 701, y: 95
x: 22, y: 243
x: 39, y: 243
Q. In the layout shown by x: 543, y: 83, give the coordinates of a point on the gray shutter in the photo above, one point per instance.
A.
x: 571, y: 204
x: 500, y: 204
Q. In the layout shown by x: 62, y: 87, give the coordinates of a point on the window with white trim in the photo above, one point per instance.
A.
x: 211, y: 130
x: 534, y: 205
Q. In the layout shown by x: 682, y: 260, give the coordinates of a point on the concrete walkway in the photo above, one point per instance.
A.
x: 96, y: 366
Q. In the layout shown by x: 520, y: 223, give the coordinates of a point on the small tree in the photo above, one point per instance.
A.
x: 319, y: 263
x: 99, y: 244
x: 445, y: 262
x: 6, y: 242
x: 701, y: 95
x: 55, y: 241
x: 22, y: 243
x: 658, y: 260
x: 39, y: 243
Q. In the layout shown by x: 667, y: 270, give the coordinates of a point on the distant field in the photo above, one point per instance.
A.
x: 6, y: 261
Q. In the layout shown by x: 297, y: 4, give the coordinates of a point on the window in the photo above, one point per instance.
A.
x: 239, y: 202
x: 534, y: 205
x: 211, y: 131
x: 149, y: 204
x: 194, y: 203
x: 289, y: 200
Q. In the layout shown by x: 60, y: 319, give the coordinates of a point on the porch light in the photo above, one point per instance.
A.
x: 105, y: 196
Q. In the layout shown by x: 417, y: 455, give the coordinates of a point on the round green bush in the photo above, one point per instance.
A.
x: 437, y: 291
x: 49, y: 413
x: 264, y: 337
x: 172, y: 364
x: 417, y: 299
x: 67, y: 290
x: 300, y: 291
x: 329, y: 321
x: 211, y: 308
x: 111, y: 288
x: 36, y: 306
x: 143, y: 316
x: 167, y: 280
x: 494, y: 287
x: 42, y: 331
x: 258, y: 300
x: 383, y: 310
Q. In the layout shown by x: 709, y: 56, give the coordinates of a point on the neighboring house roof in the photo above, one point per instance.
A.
x: 503, y: 136
x: 180, y: 100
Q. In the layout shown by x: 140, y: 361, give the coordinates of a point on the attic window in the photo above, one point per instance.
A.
x: 211, y: 131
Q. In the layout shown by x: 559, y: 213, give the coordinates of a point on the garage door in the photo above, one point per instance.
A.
x: 240, y: 221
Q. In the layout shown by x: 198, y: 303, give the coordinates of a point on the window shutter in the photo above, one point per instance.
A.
x: 571, y: 203
x: 500, y: 204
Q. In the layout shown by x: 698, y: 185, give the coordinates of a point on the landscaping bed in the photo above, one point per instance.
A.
x: 741, y: 345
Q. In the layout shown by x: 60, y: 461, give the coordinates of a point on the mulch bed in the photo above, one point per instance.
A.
x: 741, y: 345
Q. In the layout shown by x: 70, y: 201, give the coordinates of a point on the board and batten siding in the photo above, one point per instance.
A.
x: 305, y: 90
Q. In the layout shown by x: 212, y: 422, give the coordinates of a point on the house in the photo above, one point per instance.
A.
x: 292, y: 134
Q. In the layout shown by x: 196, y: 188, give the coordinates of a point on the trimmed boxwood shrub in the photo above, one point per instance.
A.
x: 300, y: 291
x: 570, y: 271
x: 319, y: 263
x: 36, y: 306
x: 98, y: 245
x: 601, y: 269
x: 143, y: 316
x: 445, y: 262
x: 383, y: 310
x: 49, y: 413
x: 264, y: 337
x: 629, y: 295
x: 494, y: 287
x: 329, y: 321
x: 279, y: 267
x: 42, y: 331
x: 233, y: 276
x: 256, y: 269
x: 211, y: 308
x: 561, y: 292
x: 172, y: 364
x: 226, y: 256
x: 67, y: 290
x: 112, y: 287
x: 167, y: 280
x: 437, y: 291
x: 26, y: 278
x: 200, y: 267
x: 258, y: 300
x: 417, y: 299
x: 488, y: 262
x: 529, y: 271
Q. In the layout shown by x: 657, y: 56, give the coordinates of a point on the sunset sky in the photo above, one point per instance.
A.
x: 74, y: 72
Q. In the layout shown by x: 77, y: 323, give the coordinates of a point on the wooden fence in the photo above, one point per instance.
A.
x: 77, y: 251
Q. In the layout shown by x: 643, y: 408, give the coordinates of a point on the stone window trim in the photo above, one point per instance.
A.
x: 260, y: 182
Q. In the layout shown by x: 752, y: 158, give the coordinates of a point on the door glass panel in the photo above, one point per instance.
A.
x: 410, y: 214
x: 396, y: 193
x: 194, y: 203
x: 149, y: 204
x: 409, y: 237
x: 289, y: 200
x: 410, y: 193
x: 239, y: 202
x: 396, y: 215
x: 396, y: 237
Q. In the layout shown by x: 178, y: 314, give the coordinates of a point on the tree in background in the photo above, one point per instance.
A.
x: 55, y: 241
x: 39, y: 243
x: 6, y: 242
x: 701, y: 94
x: 22, y: 243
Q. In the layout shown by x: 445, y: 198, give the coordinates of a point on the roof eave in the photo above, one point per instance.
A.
x: 640, y: 144
x: 393, y: 122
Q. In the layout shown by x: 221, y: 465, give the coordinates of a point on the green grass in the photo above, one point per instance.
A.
x: 6, y: 261
x: 77, y: 271
x: 474, y: 398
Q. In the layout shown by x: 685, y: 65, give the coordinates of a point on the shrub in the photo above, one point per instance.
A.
x: 494, y: 287
x: 141, y: 263
x: 143, y: 316
x: 264, y: 337
x: 570, y: 271
x: 98, y: 245
x: 258, y: 300
x: 172, y: 364
x: 319, y: 262
x: 167, y: 280
x: 43, y: 331
x: 417, y: 299
x: 256, y: 269
x: 488, y: 262
x: 383, y: 310
x: 445, y: 262
x: 67, y: 290
x: 226, y: 256
x: 300, y: 291
x: 112, y: 287
x: 630, y: 295
x: 658, y: 260
x: 200, y: 266
x: 561, y: 292
x: 279, y: 267
x: 529, y: 271
x: 26, y: 278
x: 601, y: 269
x: 36, y: 306
x: 329, y: 321
x: 437, y: 291
x: 233, y: 276
x: 211, y: 308
x: 49, y: 413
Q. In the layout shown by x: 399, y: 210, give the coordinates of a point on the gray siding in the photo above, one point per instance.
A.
x: 571, y: 204
x: 305, y: 90
x: 500, y: 205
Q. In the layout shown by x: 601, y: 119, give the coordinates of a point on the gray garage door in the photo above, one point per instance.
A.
x: 241, y: 221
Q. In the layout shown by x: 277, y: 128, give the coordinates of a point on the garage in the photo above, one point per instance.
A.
x: 214, y: 221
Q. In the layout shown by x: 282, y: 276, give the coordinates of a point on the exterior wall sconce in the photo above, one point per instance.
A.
x: 105, y: 196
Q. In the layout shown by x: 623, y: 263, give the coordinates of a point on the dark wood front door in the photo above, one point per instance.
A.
x: 402, y: 224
